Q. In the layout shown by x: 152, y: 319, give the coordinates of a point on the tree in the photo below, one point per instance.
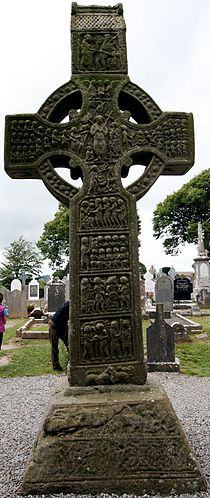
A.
x: 20, y: 256
x: 54, y: 241
x: 176, y: 218
x: 142, y: 269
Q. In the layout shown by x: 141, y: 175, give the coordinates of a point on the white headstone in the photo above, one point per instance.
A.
x: 16, y: 285
x: 33, y: 290
x: 172, y: 273
x: 149, y: 282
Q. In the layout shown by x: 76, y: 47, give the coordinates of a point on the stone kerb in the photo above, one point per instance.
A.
x: 25, y: 333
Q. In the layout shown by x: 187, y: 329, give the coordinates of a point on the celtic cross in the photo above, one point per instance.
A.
x: 111, y: 125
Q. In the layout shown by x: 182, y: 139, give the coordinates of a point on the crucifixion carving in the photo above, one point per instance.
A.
x: 98, y: 125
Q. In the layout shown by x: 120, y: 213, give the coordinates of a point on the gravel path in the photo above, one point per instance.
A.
x: 23, y: 403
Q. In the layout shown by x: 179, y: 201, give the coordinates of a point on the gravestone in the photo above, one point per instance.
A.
x: 105, y: 413
x: 182, y: 289
x: 180, y: 333
x: 33, y: 290
x: 160, y: 345
x: 172, y: 272
x: 203, y: 298
x: 65, y: 281
x: 164, y: 292
x: 56, y: 294
x: 16, y: 285
x: 201, y: 266
x: 17, y: 303
x: 149, y: 283
x: 142, y: 293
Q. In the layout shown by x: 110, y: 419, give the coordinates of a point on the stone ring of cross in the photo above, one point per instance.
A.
x: 90, y: 124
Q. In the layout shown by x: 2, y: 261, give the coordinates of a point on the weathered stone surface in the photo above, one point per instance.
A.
x: 124, y: 439
x: 121, y: 438
x: 99, y: 144
x: 160, y: 344
x: 17, y: 303
x: 56, y: 295
x: 164, y: 291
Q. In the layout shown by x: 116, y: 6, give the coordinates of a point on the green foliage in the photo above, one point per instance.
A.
x: 142, y: 269
x: 176, y: 218
x: 166, y: 269
x: 20, y: 256
x: 54, y: 242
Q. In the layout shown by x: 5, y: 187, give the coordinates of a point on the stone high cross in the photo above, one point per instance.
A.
x: 99, y: 143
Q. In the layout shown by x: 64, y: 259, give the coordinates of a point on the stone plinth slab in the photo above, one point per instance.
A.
x: 112, y: 440
x: 164, y: 366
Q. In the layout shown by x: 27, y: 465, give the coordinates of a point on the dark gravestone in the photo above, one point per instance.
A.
x: 164, y: 292
x: 160, y: 344
x: 180, y: 333
x: 182, y: 289
x: 97, y: 439
x: 56, y: 295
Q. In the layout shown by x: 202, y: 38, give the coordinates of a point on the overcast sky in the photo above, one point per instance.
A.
x: 168, y: 44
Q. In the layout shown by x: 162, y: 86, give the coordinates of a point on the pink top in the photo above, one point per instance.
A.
x: 2, y: 315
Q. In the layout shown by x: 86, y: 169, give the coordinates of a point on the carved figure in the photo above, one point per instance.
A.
x: 112, y: 293
x: 115, y: 344
x: 99, y: 294
x: 126, y: 338
x: 88, y: 338
x: 103, y: 341
x: 124, y: 291
x: 111, y: 375
x: 99, y: 131
x: 85, y: 257
x: 87, y: 296
x: 86, y: 52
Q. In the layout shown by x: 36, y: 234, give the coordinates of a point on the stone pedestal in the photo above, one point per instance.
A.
x: 164, y: 366
x: 111, y: 439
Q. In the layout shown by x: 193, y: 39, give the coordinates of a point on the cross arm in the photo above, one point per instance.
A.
x: 29, y: 141
x: 170, y: 137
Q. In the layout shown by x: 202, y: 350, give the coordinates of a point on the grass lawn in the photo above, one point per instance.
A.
x: 195, y: 355
x: 29, y: 357
x: 37, y: 328
x: 33, y: 357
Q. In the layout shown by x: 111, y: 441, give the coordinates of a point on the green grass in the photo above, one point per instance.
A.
x: 204, y: 321
x: 194, y: 355
x: 9, y: 334
x: 37, y: 328
x: 31, y: 357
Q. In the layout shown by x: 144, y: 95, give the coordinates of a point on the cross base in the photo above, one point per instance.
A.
x: 124, y: 439
x: 134, y: 372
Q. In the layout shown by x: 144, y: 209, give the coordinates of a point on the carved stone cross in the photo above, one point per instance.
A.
x: 112, y: 124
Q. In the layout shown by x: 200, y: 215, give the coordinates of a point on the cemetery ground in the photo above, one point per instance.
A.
x: 32, y: 357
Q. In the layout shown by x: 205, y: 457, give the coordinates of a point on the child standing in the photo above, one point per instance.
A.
x: 3, y: 318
